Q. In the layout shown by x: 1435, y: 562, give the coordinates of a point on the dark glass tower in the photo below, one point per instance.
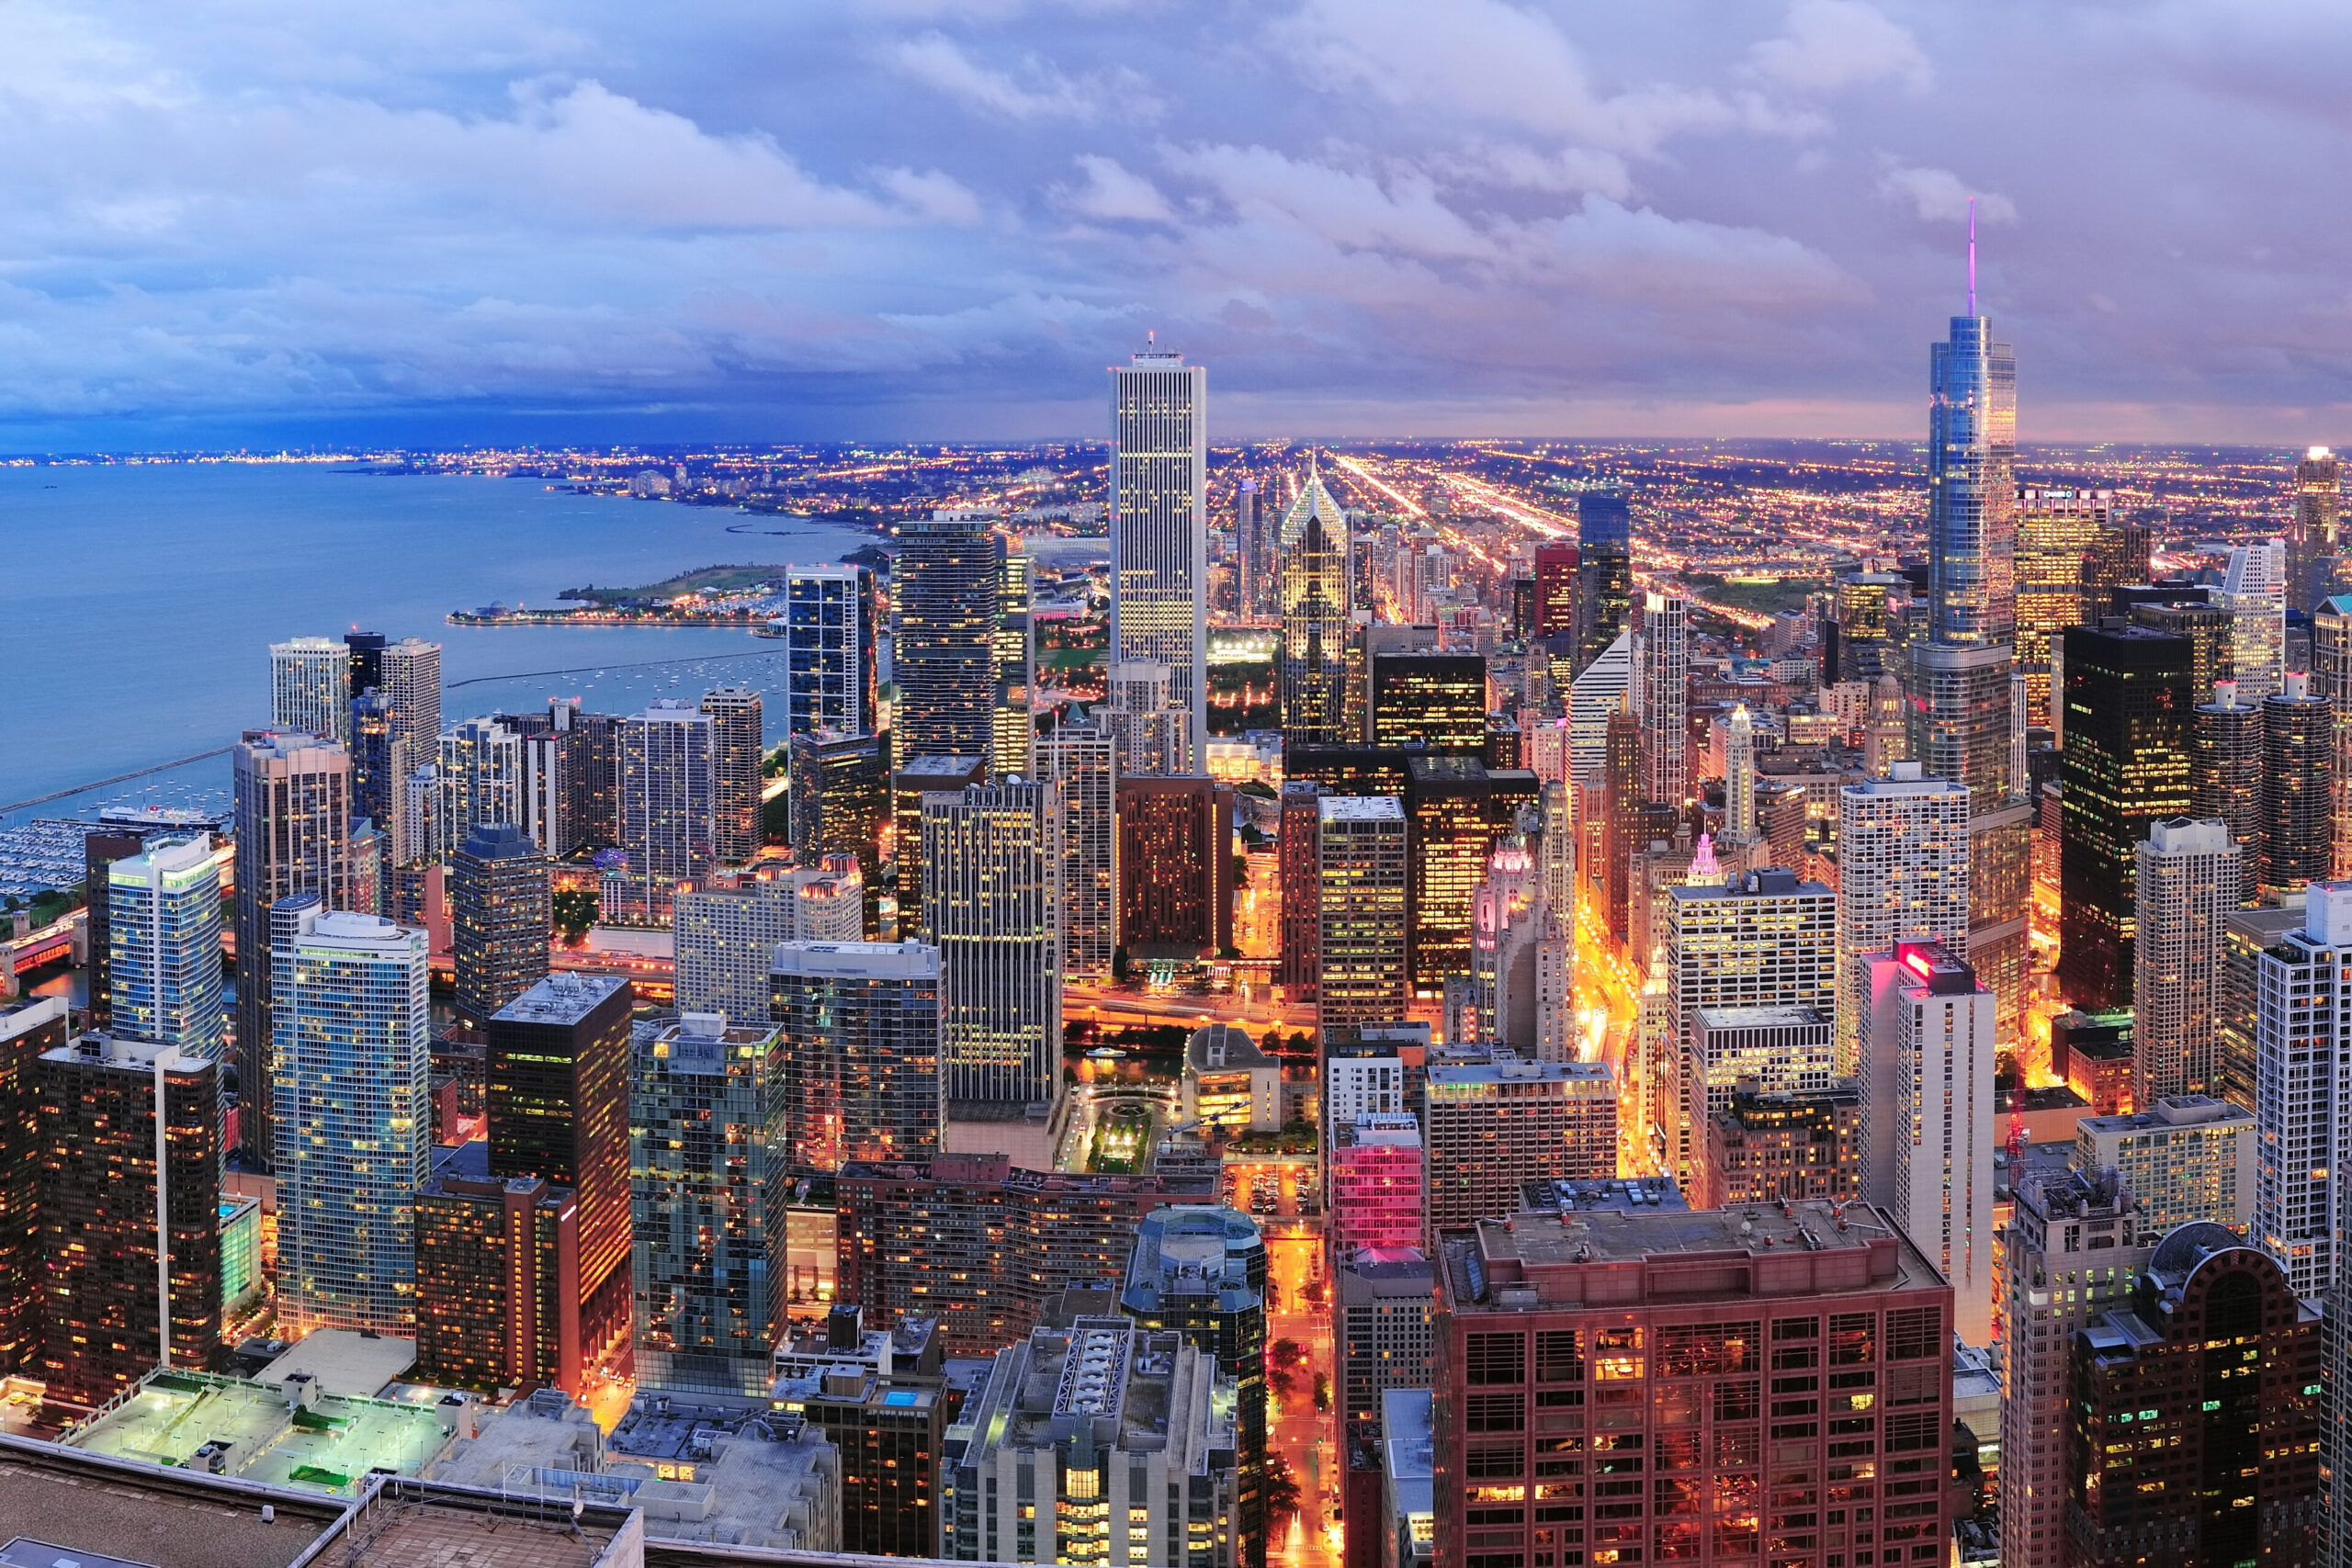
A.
x: 1604, y: 572
x: 943, y: 658
x: 499, y: 921
x: 2127, y: 706
x: 1315, y: 603
x: 367, y: 661
x: 1436, y: 701
x: 2298, y: 777
x: 1972, y: 489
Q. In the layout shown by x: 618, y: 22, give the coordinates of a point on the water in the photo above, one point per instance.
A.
x: 137, y: 604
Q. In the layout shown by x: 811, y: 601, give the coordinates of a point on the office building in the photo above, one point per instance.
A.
x: 890, y: 1436
x: 1545, y: 1310
x: 725, y: 938
x: 2314, y: 540
x: 1664, y: 697
x: 2093, y: 1055
x: 1178, y: 833
x: 1298, y: 868
x: 375, y: 787
x: 707, y: 1187
x: 556, y: 1099
x: 1739, y: 775
x: 1158, y: 517
x: 2299, y: 998
x: 1253, y: 554
x: 293, y: 806
x: 1603, y: 688
x: 666, y: 808
x: 1456, y: 811
x: 1095, y: 1439
x: 1971, y: 491
x: 858, y: 1025
x: 2074, y: 1249
x: 2128, y: 702
x: 2186, y: 886
x: 1361, y: 903
x: 28, y: 1029
x: 828, y: 641
x: 1147, y: 733
x: 1793, y: 1147
x: 2186, y: 1158
x: 1081, y: 761
x: 1228, y: 1083
x: 841, y: 801
x: 2298, y: 786
x: 916, y: 777
x: 1200, y: 1273
x: 351, y: 1057
x: 310, y: 687
x: 2331, y: 673
x: 1495, y: 1126
x: 1557, y: 563
x: 737, y: 749
x: 943, y: 649
x: 101, y: 847
x: 497, y: 1287
x: 992, y: 898
x: 106, y: 1320
x: 1435, y: 700
x: 1625, y: 831
x: 1902, y: 876
x: 1604, y: 573
x: 2253, y: 595
x: 479, y: 777
x: 1930, y: 1116
x: 2225, y: 777
x: 1012, y: 721
x: 2208, y: 1374
x: 2058, y: 531
x: 1375, y: 1175
x: 363, y: 662
x: 162, y: 936
x: 1382, y: 1298
x: 500, y: 918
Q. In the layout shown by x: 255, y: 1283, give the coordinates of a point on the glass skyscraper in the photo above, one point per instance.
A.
x: 164, y: 945
x: 829, y: 638
x: 1159, y: 530
x: 1315, y: 618
x: 1972, y: 489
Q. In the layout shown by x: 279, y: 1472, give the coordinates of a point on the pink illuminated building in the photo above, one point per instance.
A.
x: 1376, y: 1184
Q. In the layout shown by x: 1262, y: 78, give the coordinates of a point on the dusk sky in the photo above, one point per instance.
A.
x: 453, y: 220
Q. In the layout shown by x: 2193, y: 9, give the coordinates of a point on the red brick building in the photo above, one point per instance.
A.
x: 1176, y: 861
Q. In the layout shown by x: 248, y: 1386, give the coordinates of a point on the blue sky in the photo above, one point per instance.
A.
x: 257, y: 221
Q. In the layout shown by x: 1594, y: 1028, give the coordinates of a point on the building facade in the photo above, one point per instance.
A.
x: 1159, y: 516
x: 1493, y: 1128
x: 829, y: 640
x: 162, y: 937
x: 1182, y: 828
x: 1902, y: 876
x: 1081, y: 762
x: 500, y: 916
x: 1362, y: 937
x: 992, y: 905
x: 738, y: 747
x: 859, y: 1027
x: 2186, y: 886
x: 943, y: 645
x: 666, y: 807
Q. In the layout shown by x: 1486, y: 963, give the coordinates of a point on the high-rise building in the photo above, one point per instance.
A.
x: 2073, y: 1251
x: 1361, y: 910
x: 1604, y: 688
x: 992, y: 898
x: 1556, y: 564
x: 1376, y: 1182
x: 916, y: 777
x: 1298, y: 868
x: 352, y: 1058
x: 1457, y: 811
x: 725, y: 938
x: 310, y: 687
x: 2300, y: 997
x: 1797, y: 1147
x: 2254, y: 594
x: 556, y: 1100
x: 2058, y: 531
x: 737, y: 745
x: 2298, y: 786
x: 567, y: 776
x: 942, y: 655
x: 1930, y: 1116
x: 2186, y: 1158
x: 500, y: 918
x: 1739, y: 775
x: 858, y: 1027
x: 2214, y: 1366
x: 1201, y: 1272
x: 2247, y: 935
x: 2186, y: 886
x: 1496, y: 1126
x: 480, y: 776
x: 1958, y: 716
x: 1178, y: 833
x: 28, y: 1029
x: 108, y: 1314
x: 1972, y: 492
x: 2225, y: 777
x: 829, y: 643
x: 1146, y: 731
x: 2314, y: 540
x: 1665, y: 701
x: 1902, y: 876
x: 363, y: 667
x: 1251, y: 555
x: 2331, y: 675
x: 1012, y: 721
x: 1435, y: 700
x: 1604, y: 573
x: 1159, y: 501
x: 293, y: 812
x: 497, y: 1278
x: 707, y: 1190
x: 1534, y: 1311
x: 2128, y: 702
x: 666, y: 806
x: 1380, y: 1331
x: 1621, y: 833
x: 1080, y: 761
x: 164, y: 945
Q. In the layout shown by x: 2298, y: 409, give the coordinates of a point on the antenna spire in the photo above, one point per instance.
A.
x: 1972, y: 255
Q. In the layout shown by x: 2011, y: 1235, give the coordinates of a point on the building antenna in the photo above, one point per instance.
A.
x: 1972, y: 255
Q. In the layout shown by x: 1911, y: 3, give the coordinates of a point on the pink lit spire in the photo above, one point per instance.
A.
x: 1972, y: 255
x: 1704, y: 872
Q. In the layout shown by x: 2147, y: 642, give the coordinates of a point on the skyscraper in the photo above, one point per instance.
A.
x: 1972, y: 492
x: 841, y: 801
x: 410, y: 671
x: 2315, y: 541
x: 1603, y: 688
x: 726, y: 937
x: 1435, y: 700
x: 1178, y: 833
x: 1297, y: 859
x: 1079, y: 760
x: 164, y: 945
x: 480, y: 776
x: 353, y: 1132
x: 828, y: 641
x: 1664, y: 697
x: 2300, y: 996
x: 293, y: 806
x: 1739, y: 775
x: 737, y: 749
x: 1604, y: 572
x: 1902, y: 876
x: 364, y: 666
x: 310, y: 687
x: 666, y: 806
x: 2187, y: 885
x: 2225, y: 775
x: 839, y: 770
x: 1250, y: 551
x: 1158, y: 494
x: 499, y: 917
x: 2332, y: 678
x: 2059, y: 530
x: 2298, y: 786
x: 1147, y: 732
x: 858, y: 1030
x: 497, y: 1276
x: 1493, y: 1127
x: 28, y: 1029
x: 942, y: 655
x: 2253, y: 595
x: 1362, y: 882
x: 1456, y: 811
x: 992, y: 903
x: 1316, y: 621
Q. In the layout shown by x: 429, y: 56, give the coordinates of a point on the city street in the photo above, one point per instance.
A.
x: 1295, y: 1430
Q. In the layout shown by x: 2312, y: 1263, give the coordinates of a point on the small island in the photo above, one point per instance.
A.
x: 706, y: 596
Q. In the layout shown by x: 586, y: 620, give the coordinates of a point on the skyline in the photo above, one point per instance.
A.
x: 902, y: 222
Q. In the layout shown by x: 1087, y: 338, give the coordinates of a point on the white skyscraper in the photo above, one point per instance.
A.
x: 2302, y: 1089
x: 1079, y: 760
x: 411, y: 671
x: 666, y: 814
x: 726, y: 938
x: 2253, y: 593
x: 309, y: 686
x: 164, y: 945
x: 1739, y: 775
x: 1145, y: 729
x: 1902, y: 876
x: 1604, y: 688
x: 1930, y: 1117
x: 350, y: 1063
x: 1665, y: 695
x: 2186, y: 887
x: 1159, y: 530
x: 992, y: 904
x: 480, y: 776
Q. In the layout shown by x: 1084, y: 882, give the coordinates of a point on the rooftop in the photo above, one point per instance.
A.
x: 1772, y: 882
x: 343, y: 1362
x: 1192, y: 1250
x: 858, y: 960
x: 561, y: 997
x: 1630, y: 1195
x: 406, y: 1525
x: 296, y: 1437
x: 1361, y: 809
x: 1225, y: 1046
x: 93, y: 1509
x: 1761, y: 1018
x: 2176, y: 1111
x: 1479, y: 1073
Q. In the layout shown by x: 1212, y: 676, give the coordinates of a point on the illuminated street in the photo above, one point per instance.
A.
x: 1297, y: 1431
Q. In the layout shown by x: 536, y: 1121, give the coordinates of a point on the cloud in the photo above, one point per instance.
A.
x: 1347, y: 208
x: 941, y: 64
x: 1114, y: 194
x: 1840, y: 43
x: 1939, y: 196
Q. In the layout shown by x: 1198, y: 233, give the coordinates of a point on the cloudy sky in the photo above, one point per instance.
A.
x: 437, y: 220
